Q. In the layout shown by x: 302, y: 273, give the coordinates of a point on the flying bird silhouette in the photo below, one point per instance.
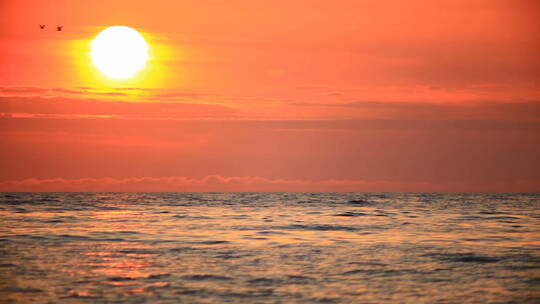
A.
x: 42, y: 26
x: 59, y: 28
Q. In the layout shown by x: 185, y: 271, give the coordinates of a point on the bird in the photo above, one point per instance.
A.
x: 42, y: 26
x: 59, y: 28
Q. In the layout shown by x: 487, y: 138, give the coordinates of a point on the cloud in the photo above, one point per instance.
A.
x: 132, y: 89
x: 181, y: 94
x: 89, y: 92
x: 22, y: 90
x: 519, y: 110
x: 64, y: 107
x: 86, y: 92
x: 27, y: 101
x: 195, y: 107
x: 217, y: 183
x: 16, y: 91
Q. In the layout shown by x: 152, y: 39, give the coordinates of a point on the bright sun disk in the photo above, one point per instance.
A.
x: 119, y: 51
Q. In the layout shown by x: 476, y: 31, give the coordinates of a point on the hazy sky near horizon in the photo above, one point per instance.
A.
x: 274, y: 96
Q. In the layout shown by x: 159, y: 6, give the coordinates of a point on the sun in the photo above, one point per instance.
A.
x: 119, y: 51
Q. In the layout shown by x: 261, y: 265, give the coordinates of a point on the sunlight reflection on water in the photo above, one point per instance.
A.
x: 269, y: 247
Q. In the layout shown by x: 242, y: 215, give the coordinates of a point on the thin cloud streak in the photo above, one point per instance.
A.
x: 217, y: 183
x: 68, y: 106
x: 214, y: 108
x: 519, y: 110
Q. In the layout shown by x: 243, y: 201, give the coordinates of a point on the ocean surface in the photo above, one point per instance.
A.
x: 269, y: 248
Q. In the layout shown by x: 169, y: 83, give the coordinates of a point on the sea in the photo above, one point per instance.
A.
x: 269, y: 248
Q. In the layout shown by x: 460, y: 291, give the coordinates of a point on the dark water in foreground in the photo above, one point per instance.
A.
x: 269, y: 248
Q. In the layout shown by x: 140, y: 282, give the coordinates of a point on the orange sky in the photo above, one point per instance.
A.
x: 274, y: 96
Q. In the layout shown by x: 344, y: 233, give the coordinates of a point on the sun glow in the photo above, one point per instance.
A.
x: 119, y: 51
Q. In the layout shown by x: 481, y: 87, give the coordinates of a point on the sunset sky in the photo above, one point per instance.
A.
x: 274, y: 96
